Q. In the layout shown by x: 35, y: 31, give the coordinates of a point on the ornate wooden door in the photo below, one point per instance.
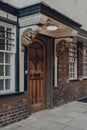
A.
x: 37, y: 76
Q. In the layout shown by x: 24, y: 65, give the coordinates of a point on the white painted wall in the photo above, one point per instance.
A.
x: 74, y: 9
x: 22, y: 3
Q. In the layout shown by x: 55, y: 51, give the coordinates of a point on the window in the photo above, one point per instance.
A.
x: 2, y: 36
x: 7, y: 58
x: 85, y: 62
x: 73, y: 62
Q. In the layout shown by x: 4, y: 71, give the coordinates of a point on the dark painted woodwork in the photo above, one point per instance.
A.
x: 46, y: 10
x: 11, y: 94
x: 8, y: 8
x: 49, y: 45
x: 40, y: 8
x: 17, y: 79
x: 29, y: 10
x: 25, y: 69
x: 82, y: 32
x: 8, y: 21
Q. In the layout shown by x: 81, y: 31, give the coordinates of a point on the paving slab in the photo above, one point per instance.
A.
x: 14, y: 126
x: 41, y: 124
x: 71, y: 128
x: 71, y: 116
x: 54, y: 118
x: 77, y: 115
x: 80, y: 124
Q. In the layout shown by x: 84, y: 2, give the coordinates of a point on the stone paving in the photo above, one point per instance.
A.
x: 71, y: 116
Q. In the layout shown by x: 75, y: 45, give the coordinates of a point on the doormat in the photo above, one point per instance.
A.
x: 83, y: 100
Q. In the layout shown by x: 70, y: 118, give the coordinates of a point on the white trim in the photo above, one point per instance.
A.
x: 55, y: 66
x: 74, y: 62
x: 21, y: 71
x: 3, y: 14
x: 12, y: 63
x: 84, y: 62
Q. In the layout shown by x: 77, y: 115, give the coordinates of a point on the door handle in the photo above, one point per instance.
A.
x: 26, y: 72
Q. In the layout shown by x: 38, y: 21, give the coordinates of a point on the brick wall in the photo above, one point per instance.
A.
x: 63, y: 68
x: 13, y: 108
x: 70, y: 90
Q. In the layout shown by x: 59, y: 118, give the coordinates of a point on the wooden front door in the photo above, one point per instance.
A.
x: 37, y: 76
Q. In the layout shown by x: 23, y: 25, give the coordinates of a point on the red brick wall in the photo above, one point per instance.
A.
x: 80, y: 60
x: 63, y: 68
x: 70, y: 90
x: 13, y: 108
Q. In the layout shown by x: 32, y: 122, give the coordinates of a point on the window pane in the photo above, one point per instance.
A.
x: 2, y: 32
x: 7, y: 58
x: 1, y: 57
x: 9, y: 41
x: 72, y: 61
x: 7, y: 84
x: 1, y: 70
x: 8, y: 32
x: 7, y: 70
x: 8, y: 46
x: 1, y: 85
x: 85, y: 62
x: 2, y: 36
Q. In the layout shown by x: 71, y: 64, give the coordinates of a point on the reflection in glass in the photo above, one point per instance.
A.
x: 1, y: 70
x: 2, y: 38
x: 7, y: 84
x: 7, y: 58
x: 1, y: 85
x: 7, y: 70
x: 1, y: 57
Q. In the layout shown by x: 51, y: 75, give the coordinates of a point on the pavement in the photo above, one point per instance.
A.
x: 71, y: 116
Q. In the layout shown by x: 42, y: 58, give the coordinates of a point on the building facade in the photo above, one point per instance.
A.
x: 39, y: 67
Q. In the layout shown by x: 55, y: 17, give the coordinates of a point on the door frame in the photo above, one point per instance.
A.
x: 48, y: 43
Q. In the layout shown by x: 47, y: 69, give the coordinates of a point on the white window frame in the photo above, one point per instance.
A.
x: 84, y: 62
x: 12, y: 63
x: 73, y: 62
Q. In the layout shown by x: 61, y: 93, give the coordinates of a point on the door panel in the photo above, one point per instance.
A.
x: 37, y: 76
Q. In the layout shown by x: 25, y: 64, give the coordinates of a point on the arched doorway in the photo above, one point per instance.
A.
x: 37, y: 76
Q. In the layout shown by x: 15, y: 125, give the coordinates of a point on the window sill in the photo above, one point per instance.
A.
x: 84, y: 78
x: 55, y: 86
x: 73, y: 80
x: 9, y: 94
